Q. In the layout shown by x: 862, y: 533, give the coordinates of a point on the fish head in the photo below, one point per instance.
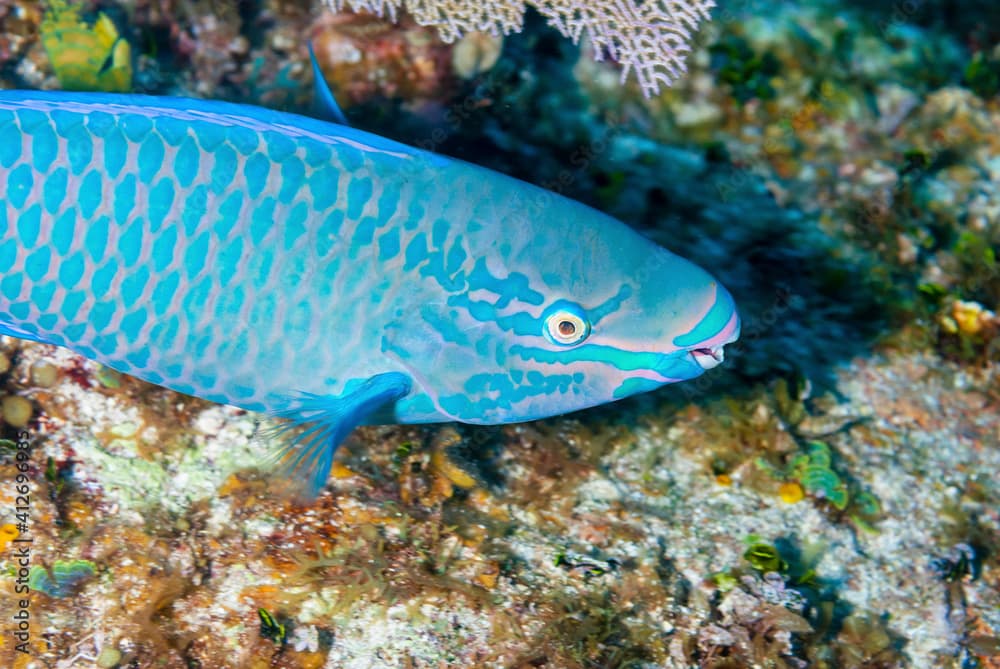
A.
x: 581, y: 316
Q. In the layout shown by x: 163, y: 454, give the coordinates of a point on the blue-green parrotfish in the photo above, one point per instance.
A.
x: 286, y: 264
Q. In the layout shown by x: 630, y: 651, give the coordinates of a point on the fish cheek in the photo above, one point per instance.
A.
x: 443, y: 364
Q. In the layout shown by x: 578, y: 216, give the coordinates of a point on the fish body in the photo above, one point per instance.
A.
x: 281, y: 263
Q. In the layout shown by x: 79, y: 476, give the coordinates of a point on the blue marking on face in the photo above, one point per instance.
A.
x: 515, y: 286
x: 518, y: 323
x: 712, y: 323
x: 445, y: 326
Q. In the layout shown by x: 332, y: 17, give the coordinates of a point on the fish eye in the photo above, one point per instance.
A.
x: 566, y: 324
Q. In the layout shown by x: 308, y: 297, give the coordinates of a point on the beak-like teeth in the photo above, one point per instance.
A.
x: 707, y: 358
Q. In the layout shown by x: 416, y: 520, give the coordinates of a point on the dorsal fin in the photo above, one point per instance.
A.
x: 323, y: 100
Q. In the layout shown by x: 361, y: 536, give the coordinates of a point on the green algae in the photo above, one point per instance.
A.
x: 64, y: 579
x: 764, y: 558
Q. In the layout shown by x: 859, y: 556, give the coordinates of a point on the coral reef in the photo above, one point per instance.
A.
x: 826, y: 499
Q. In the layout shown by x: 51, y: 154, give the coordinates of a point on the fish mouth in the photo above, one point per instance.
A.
x: 712, y: 353
x: 708, y: 357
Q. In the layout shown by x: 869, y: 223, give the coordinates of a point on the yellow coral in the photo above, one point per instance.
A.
x: 791, y: 492
x: 86, y: 57
x: 970, y: 317
x: 8, y: 533
x: 451, y: 471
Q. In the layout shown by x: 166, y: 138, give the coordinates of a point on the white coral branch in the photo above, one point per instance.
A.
x: 650, y: 37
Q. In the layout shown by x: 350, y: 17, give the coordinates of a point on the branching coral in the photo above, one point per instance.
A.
x: 651, y: 37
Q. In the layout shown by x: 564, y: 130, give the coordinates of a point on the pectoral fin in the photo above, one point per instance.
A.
x: 305, y: 456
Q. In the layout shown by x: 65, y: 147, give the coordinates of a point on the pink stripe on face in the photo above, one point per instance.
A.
x: 729, y: 333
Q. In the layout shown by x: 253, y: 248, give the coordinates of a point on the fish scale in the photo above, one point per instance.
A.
x: 281, y: 263
x: 144, y: 169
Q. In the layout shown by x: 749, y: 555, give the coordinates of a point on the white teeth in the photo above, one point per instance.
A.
x: 707, y: 358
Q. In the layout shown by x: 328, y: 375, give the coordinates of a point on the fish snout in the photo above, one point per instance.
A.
x: 711, y: 353
x: 708, y: 357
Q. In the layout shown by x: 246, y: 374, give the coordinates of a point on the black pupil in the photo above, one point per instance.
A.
x: 566, y: 328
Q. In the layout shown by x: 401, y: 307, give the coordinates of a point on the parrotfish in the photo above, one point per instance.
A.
x: 285, y: 264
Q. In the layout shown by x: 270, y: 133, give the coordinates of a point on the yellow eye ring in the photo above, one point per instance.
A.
x: 566, y: 324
